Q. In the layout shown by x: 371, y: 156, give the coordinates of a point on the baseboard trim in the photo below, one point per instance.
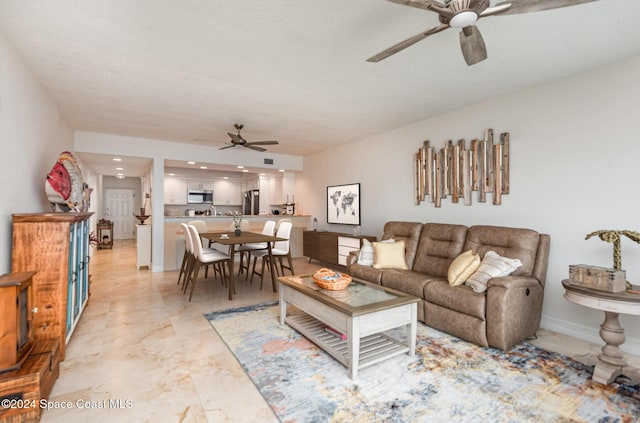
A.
x: 586, y: 333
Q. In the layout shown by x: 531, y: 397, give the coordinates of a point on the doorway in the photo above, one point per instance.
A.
x: 119, y: 209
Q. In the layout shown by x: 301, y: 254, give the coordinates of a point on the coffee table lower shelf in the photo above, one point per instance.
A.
x: 373, y: 348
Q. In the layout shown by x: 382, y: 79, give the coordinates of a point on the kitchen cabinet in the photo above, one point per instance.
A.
x: 227, y: 193
x: 175, y: 191
x: 202, y: 185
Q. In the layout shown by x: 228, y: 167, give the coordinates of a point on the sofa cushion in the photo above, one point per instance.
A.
x: 462, y: 267
x: 409, y: 232
x: 406, y: 281
x: 389, y: 255
x: 492, y: 265
x: 459, y: 298
x: 507, y: 242
x: 366, y: 273
x: 439, y: 245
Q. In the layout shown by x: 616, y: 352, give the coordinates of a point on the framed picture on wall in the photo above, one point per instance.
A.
x: 343, y: 204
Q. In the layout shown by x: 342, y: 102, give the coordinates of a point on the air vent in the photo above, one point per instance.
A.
x: 268, y: 161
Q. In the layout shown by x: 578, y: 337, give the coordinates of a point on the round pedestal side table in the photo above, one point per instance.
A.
x: 610, y: 363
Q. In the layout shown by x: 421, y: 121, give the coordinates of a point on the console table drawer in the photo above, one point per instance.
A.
x: 353, y: 243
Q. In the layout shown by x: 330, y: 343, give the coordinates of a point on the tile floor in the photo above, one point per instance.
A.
x: 141, y: 342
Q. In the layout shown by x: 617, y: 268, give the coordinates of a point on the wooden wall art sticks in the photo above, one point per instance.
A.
x: 456, y: 172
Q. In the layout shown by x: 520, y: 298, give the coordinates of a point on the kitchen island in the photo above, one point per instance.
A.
x: 174, y: 240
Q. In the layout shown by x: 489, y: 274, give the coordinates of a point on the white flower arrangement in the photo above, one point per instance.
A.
x: 237, y: 220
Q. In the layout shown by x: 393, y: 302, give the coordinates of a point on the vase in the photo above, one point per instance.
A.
x: 237, y: 232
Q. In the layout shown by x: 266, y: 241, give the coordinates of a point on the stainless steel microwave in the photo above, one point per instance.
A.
x: 199, y: 196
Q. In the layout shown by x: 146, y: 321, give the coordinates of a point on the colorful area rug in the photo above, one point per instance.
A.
x: 447, y: 380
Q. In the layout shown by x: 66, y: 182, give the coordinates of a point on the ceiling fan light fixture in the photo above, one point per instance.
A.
x: 463, y: 19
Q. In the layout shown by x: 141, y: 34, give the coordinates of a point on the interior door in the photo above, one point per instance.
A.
x: 119, y: 210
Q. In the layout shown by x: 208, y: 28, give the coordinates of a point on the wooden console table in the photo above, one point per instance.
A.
x: 331, y: 247
x: 610, y: 363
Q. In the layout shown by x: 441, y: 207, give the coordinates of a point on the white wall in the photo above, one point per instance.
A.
x: 575, y: 148
x: 32, y: 134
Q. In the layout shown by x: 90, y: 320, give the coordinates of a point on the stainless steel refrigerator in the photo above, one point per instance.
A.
x: 251, y: 202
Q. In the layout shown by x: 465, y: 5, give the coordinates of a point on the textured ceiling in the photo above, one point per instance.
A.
x: 294, y: 71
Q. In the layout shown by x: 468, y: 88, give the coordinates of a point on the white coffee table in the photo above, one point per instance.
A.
x: 362, y: 312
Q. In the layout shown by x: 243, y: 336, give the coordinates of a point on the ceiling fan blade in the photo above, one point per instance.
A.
x: 406, y: 43
x: 262, y: 143
x: 473, y: 48
x: 528, y: 6
x: 420, y: 4
x: 253, y: 147
x: 499, y: 9
x: 227, y: 146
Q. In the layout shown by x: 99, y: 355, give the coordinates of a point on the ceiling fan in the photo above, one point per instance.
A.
x: 463, y: 14
x: 238, y: 141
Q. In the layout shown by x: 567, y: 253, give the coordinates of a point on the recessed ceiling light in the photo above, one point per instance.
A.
x: 226, y: 177
x: 240, y: 167
x: 245, y: 170
x: 117, y: 159
x: 280, y: 170
x: 119, y: 168
x: 172, y: 174
x: 119, y: 174
x: 191, y: 162
x: 203, y: 167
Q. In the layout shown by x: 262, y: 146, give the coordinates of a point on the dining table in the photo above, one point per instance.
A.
x: 245, y: 237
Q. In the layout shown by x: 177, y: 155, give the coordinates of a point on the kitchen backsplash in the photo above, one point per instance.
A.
x: 182, y: 209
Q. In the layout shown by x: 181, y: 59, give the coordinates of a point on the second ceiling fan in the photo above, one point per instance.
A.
x: 238, y: 141
x: 463, y: 14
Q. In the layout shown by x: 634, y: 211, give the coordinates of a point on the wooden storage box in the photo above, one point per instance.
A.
x: 600, y: 278
x: 31, y: 383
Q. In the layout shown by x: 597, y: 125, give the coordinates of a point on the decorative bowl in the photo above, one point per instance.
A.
x: 142, y: 217
x: 331, y: 280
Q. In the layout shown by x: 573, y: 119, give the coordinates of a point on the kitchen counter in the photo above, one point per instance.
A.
x: 174, y: 240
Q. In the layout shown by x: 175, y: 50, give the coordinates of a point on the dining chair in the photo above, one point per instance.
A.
x: 190, y: 240
x: 201, y: 226
x: 183, y: 266
x: 269, y: 228
x: 279, y: 250
x: 206, y: 256
x: 190, y: 258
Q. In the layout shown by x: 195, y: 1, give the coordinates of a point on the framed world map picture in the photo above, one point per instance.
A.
x: 343, y: 204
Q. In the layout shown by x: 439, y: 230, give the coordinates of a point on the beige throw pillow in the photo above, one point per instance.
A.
x: 389, y: 255
x: 492, y: 265
x: 462, y: 267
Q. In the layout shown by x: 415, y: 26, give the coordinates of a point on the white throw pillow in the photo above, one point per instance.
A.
x: 492, y: 265
x: 365, y: 256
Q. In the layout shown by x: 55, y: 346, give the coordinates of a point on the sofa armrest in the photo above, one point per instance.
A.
x: 513, y: 282
x: 514, y: 309
x: 352, y: 257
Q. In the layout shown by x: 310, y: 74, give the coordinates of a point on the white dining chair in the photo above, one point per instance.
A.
x: 269, y: 228
x: 185, y: 256
x: 279, y: 250
x: 206, y: 256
